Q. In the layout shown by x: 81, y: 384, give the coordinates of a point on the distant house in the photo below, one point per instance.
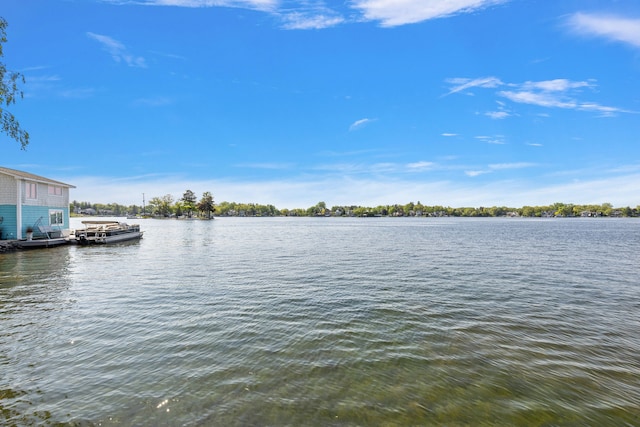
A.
x: 28, y: 200
x: 88, y: 211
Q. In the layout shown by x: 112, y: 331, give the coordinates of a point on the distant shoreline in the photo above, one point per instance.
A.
x: 226, y: 209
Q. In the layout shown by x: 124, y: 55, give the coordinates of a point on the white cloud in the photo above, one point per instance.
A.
x: 271, y: 166
x: 616, y: 187
x: 517, y: 165
x: 476, y: 173
x: 497, y: 115
x: 498, y: 167
x: 461, y: 84
x: 625, y: 30
x: 552, y: 100
x: 118, y: 51
x: 422, y: 165
x: 448, y: 135
x: 496, y: 139
x: 555, y: 93
x: 542, y: 99
x: 314, y: 14
x: 359, y: 168
x: 556, y: 85
x: 359, y: 124
x: 391, y: 13
x: 313, y: 19
x: 247, y: 4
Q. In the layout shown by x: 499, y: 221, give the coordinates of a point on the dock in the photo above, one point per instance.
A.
x: 8, y: 246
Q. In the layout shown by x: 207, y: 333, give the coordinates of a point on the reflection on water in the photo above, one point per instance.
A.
x: 327, y: 322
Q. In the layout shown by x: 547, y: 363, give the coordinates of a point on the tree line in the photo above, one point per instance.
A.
x: 166, y: 206
x: 190, y: 206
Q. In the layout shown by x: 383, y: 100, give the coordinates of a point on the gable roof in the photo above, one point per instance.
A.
x: 26, y: 175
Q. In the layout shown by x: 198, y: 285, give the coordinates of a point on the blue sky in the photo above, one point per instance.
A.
x: 366, y: 102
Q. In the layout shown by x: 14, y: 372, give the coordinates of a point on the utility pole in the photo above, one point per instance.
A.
x: 143, y: 212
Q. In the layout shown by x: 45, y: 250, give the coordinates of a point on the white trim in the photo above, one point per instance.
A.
x: 29, y: 187
x: 57, y: 211
x: 19, y: 209
x: 56, y: 189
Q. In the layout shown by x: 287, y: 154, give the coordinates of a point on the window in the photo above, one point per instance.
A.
x: 31, y: 189
x: 54, y: 190
x: 56, y: 217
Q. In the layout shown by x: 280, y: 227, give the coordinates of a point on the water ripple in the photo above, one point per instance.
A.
x: 327, y: 322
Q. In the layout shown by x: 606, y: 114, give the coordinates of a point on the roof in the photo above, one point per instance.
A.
x: 26, y: 175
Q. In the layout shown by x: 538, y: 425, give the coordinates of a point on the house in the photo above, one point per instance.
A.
x: 28, y: 200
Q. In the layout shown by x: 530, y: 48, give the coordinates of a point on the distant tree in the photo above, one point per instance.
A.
x: 9, y: 92
x: 206, y: 204
x: 133, y: 210
x: 189, y: 202
x: 161, y: 206
x: 408, y: 208
x: 153, y: 205
x: 178, y: 208
x: 318, y: 210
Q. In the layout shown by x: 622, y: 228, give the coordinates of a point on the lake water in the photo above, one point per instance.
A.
x: 328, y: 322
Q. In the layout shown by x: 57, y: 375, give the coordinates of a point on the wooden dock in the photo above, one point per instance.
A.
x: 8, y: 246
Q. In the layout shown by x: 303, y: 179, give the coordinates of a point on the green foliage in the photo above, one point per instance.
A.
x: 162, y: 206
x: 206, y: 205
x: 9, y: 93
x: 188, y: 202
x: 109, y: 209
x: 165, y: 207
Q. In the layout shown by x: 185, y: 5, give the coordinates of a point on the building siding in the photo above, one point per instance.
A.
x: 44, y: 198
x: 8, y: 223
x: 39, y: 215
x: 7, y: 190
x: 35, y: 211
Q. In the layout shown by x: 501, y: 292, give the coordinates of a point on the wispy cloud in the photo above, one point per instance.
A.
x: 498, y: 167
x: 497, y: 115
x: 617, y: 186
x: 358, y: 168
x: 542, y: 99
x: 462, y: 84
x: 556, y: 85
x: 118, y: 51
x: 246, y: 4
x: 53, y: 85
x: 359, y: 124
x: 392, y: 13
x: 421, y: 166
x: 449, y: 135
x: 516, y: 165
x: 556, y: 93
x: 474, y: 173
x: 269, y: 166
x: 351, y: 153
x: 501, y: 113
x: 496, y: 139
x: 303, y: 21
x: 309, y: 16
x: 616, y: 28
x: 315, y: 14
x: 39, y: 84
